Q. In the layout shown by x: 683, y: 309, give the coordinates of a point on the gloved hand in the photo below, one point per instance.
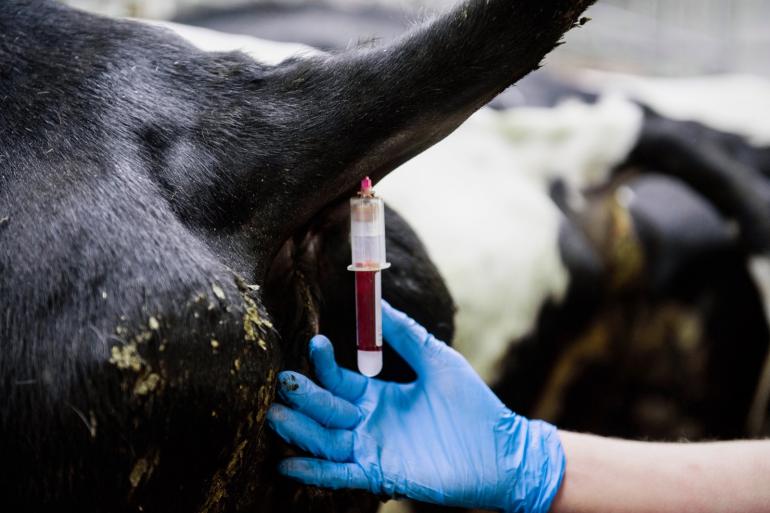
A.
x: 445, y: 438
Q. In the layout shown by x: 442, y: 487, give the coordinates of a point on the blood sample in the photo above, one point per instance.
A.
x: 367, y: 247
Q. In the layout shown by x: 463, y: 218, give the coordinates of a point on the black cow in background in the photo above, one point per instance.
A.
x: 663, y: 333
x: 170, y: 224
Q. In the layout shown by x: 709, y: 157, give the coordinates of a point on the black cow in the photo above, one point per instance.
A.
x: 172, y: 228
x: 663, y: 332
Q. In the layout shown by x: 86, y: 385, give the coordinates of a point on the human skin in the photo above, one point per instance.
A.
x: 600, y: 474
x: 622, y: 476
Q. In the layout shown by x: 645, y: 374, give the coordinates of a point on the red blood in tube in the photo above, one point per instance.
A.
x: 366, y: 282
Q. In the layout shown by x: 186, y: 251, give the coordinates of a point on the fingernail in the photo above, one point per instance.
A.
x: 274, y: 414
x: 318, y: 341
x: 288, y: 381
x: 284, y: 467
x: 291, y: 466
x: 390, y: 309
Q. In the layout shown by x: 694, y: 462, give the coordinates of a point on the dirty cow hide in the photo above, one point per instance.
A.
x: 172, y: 231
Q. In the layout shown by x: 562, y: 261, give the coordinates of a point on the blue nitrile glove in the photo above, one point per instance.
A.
x: 445, y: 438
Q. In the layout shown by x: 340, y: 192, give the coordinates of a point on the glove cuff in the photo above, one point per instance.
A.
x: 532, y: 463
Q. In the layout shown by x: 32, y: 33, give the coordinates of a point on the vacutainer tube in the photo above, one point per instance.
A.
x: 367, y: 246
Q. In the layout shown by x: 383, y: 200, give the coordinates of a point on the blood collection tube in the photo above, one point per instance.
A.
x: 367, y: 247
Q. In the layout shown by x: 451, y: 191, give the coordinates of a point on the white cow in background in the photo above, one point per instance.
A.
x: 489, y: 181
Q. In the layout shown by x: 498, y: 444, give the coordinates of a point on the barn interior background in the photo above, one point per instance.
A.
x: 710, y: 36
x: 659, y: 328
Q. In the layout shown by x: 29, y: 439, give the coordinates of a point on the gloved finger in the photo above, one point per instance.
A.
x: 341, y: 382
x: 317, y: 403
x: 409, y: 339
x: 324, y: 473
x: 307, y: 434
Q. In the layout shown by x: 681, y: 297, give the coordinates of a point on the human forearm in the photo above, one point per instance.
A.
x: 447, y: 439
x: 620, y: 476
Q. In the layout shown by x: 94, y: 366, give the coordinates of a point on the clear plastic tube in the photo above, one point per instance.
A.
x: 367, y: 246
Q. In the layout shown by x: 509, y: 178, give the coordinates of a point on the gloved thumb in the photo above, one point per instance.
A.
x: 409, y: 339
